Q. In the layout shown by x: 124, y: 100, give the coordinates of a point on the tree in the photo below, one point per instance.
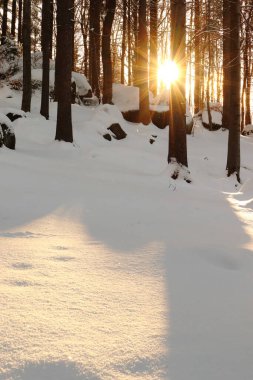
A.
x: 14, y: 16
x: 27, y: 87
x: 4, y: 22
x: 94, y: 46
x: 46, y: 37
x: 142, y: 65
x: 20, y: 11
x: 197, y: 41
x: 106, y: 50
x: 233, y: 156
x: 64, y: 58
x: 153, y: 45
x: 177, y: 130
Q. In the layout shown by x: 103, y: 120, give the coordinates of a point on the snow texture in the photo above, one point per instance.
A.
x: 110, y: 270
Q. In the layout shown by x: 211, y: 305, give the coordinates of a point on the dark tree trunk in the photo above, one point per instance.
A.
x: 233, y: 157
x: 4, y: 22
x: 94, y: 46
x: 123, y: 45
x: 13, y: 17
x: 153, y: 45
x: 135, y: 33
x: 197, y: 41
x: 227, y: 63
x: 46, y: 38
x: 129, y: 43
x: 27, y: 87
x: 142, y: 65
x: 64, y: 66
x: 177, y: 138
x: 106, y: 51
x: 20, y: 20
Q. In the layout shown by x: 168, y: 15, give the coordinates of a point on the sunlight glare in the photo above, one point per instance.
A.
x: 168, y: 73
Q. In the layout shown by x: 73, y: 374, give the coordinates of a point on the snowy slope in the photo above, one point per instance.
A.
x: 110, y: 270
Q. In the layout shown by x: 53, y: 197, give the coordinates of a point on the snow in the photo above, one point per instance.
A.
x: 81, y: 81
x: 126, y: 98
x: 110, y: 270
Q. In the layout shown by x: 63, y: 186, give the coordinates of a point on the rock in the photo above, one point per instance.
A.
x: 160, y: 119
x: 118, y: 132
x: 107, y: 136
x: 8, y: 136
x: 12, y: 116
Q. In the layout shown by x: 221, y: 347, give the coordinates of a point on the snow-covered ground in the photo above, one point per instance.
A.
x: 110, y: 270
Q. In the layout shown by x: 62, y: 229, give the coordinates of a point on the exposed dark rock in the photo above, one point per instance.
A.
x: 12, y: 116
x: 215, y: 127
x: 107, y: 136
x: 160, y: 119
x: 189, y: 128
x: 117, y: 131
x: 132, y: 116
x: 9, y: 138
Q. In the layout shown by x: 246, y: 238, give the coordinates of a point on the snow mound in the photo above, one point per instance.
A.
x: 248, y: 129
x: 126, y: 98
x: 105, y: 116
x: 81, y: 81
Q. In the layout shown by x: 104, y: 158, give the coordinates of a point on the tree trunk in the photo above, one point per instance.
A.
x: 123, y: 45
x: 227, y: 63
x: 142, y: 65
x: 153, y: 46
x: 233, y: 157
x: 129, y: 42
x: 94, y: 46
x: 20, y: 11
x: 197, y: 65
x: 64, y: 68
x: 46, y: 42
x: 4, y: 22
x: 13, y: 17
x: 177, y: 138
x: 27, y: 86
x: 106, y: 51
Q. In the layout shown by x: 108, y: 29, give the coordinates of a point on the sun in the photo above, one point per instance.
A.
x: 168, y: 73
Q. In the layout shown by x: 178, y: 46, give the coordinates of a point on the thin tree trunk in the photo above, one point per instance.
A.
x: 4, y: 22
x: 27, y: 87
x: 227, y: 63
x: 142, y: 65
x: 129, y: 42
x: 106, y: 51
x: 46, y: 41
x: 20, y: 12
x: 13, y: 17
x: 64, y: 67
x: 153, y: 46
x: 197, y: 65
x: 233, y: 157
x: 123, y: 45
x: 94, y: 46
x: 177, y: 138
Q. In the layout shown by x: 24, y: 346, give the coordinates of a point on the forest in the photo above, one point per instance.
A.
x: 126, y: 192
x: 201, y: 51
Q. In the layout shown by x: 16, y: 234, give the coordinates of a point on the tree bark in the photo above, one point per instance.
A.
x: 142, y: 65
x: 46, y: 37
x: 4, y: 22
x: 197, y: 64
x: 177, y: 138
x: 13, y: 17
x: 94, y: 46
x: 227, y: 63
x: 106, y: 51
x: 20, y: 11
x: 64, y: 68
x: 233, y: 156
x: 27, y: 86
x: 153, y: 46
